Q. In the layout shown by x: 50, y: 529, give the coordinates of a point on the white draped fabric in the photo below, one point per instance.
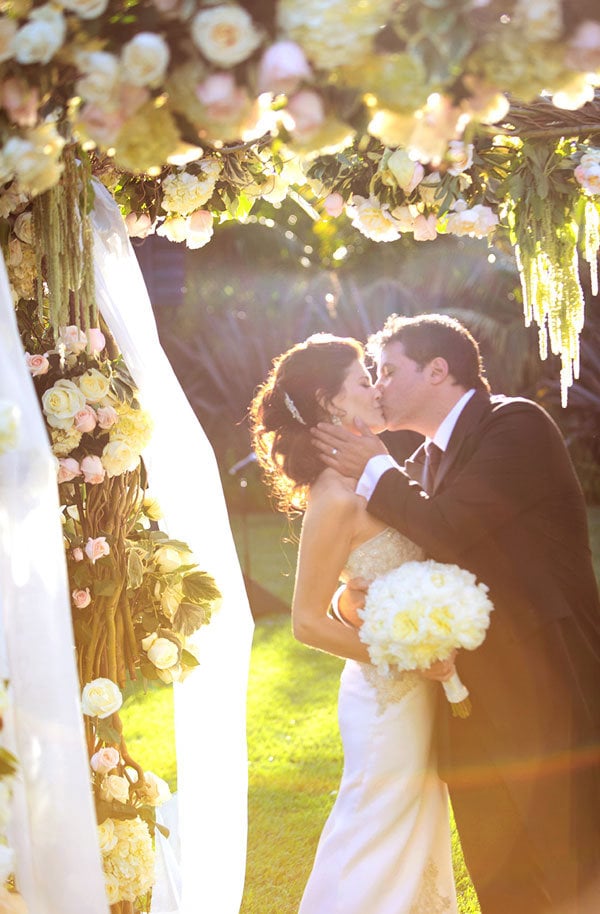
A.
x: 58, y: 864
x: 210, y: 705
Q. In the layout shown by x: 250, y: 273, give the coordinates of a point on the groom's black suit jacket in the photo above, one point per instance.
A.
x: 507, y: 506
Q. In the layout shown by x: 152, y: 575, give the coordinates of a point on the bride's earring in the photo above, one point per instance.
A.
x: 336, y: 420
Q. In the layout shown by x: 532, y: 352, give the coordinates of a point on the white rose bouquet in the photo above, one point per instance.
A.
x: 419, y: 613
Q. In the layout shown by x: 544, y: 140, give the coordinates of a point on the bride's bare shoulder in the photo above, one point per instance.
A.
x: 332, y: 492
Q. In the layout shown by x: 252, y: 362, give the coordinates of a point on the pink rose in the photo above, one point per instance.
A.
x: 85, y: 420
x: 96, y: 548
x: 81, y: 598
x: 96, y: 339
x: 334, y: 205
x: 92, y: 469
x: 77, y: 554
x: 282, y: 68
x: 221, y: 97
x: 106, y: 416
x: 20, y: 101
x: 37, y: 364
x: 105, y: 760
x: 307, y: 111
x: 425, y: 228
x: 68, y: 469
x: 201, y: 221
x: 100, y: 125
x: 138, y: 226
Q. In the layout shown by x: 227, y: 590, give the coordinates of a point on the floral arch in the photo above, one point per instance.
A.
x: 420, y: 117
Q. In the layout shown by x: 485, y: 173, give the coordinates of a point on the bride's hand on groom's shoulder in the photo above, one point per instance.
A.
x: 346, y: 451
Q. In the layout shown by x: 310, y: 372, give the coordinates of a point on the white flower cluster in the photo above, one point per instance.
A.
x: 87, y: 405
x: 128, y: 858
x: 420, y: 612
x: 333, y: 32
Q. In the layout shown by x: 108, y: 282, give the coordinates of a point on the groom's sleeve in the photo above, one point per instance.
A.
x: 373, y: 472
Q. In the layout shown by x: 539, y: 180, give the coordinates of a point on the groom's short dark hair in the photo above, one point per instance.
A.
x: 427, y: 336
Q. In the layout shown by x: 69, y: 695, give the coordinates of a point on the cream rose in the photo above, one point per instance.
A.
x: 81, y: 598
x: 173, y: 674
x: 107, y: 838
x: 145, y: 59
x: 105, y: 759
x: 101, y: 698
x: 102, y: 75
x: 118, y: 458
x: 115, y: 787
x: 86, y: 9
x: 138, y: 225
x: 163, y: 654
x: 40, y: 38
x: 460, y: 156
x: 94, y: 385
x: 37, y: 364
x: 92, y: 469
x: 225, y: 34
x: 155, y: 791
x: 587, y: 173
x: 23, y: 228
x: 61, y: 403
x: 174, y: 228
x: 96, y: 548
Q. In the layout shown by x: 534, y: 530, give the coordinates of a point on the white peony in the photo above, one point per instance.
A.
x: 145, y: 59
x: 225, y: 34
x: 476, y: 222
x: 101, y: 698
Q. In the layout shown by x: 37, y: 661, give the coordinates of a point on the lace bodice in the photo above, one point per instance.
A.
x: 378, y: 555
x: 381, y: 553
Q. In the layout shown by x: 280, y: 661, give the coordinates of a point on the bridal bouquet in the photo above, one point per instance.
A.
x: 421, y: 612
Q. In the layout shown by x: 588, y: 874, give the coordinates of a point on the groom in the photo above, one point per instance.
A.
x: 493, y: 490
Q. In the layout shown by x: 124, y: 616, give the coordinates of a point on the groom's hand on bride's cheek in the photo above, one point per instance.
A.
x: 346, y: 451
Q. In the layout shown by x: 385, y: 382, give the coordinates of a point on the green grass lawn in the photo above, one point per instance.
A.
x: 294, y: 749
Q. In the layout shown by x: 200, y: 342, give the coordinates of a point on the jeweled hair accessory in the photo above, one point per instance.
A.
x: 292, y: 408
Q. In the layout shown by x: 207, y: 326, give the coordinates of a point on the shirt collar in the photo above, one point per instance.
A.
x: 446, y: 427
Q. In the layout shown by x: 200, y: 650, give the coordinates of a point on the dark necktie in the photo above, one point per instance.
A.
x: 433, y: 459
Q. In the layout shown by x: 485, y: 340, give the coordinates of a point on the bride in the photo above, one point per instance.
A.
x: 385, y: 848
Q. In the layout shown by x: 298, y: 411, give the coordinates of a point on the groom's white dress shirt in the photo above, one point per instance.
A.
x: 378, y: 465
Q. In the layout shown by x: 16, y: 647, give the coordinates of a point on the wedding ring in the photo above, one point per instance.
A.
x: 334, y: 451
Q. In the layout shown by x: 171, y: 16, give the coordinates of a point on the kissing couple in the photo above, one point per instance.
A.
x: 492, y: 490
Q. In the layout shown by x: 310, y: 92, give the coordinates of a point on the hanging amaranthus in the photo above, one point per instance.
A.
x: 546, y: 225
x: 63, y: 245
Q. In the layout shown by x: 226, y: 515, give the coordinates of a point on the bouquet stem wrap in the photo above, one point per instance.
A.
x: 458, y: 696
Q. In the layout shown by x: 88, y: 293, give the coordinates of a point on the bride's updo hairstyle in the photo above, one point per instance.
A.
x: 287, y: 405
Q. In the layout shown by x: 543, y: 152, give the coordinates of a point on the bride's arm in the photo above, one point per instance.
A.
x: 325, y: 544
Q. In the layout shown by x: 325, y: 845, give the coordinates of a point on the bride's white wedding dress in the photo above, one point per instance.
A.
x: 385, y: 848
